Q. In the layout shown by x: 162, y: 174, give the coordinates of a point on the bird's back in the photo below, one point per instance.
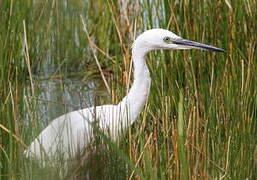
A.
x: 68, y: 134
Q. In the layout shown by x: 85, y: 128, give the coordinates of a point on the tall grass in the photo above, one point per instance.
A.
x: 44, y: 40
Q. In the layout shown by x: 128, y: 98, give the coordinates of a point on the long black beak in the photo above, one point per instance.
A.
x: 197, y: 45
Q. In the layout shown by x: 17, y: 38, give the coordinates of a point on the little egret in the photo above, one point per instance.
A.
x: 70, y: 133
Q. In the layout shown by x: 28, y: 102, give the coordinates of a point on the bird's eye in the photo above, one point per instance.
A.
x: 167, y: 39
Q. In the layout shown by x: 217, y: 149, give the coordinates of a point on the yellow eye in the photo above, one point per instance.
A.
x: 167, y: 39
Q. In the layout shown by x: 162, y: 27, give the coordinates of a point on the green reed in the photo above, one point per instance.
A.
x: 45, y: 40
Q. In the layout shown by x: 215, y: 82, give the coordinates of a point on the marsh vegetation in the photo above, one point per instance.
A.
x: 49, y: 67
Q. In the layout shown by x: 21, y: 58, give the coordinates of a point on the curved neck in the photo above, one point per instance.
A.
x: 133, y: 103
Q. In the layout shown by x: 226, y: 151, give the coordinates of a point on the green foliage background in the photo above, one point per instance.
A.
x: 45, y: 40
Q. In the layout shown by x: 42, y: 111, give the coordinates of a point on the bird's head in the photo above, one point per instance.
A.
x: 163, y: 39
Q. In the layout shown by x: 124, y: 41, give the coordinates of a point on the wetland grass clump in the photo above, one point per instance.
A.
x: 45, y: 40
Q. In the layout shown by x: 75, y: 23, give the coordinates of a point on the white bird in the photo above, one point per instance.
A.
x: 70, y: 133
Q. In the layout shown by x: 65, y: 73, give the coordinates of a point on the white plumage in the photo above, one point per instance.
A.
x: 70, y: 133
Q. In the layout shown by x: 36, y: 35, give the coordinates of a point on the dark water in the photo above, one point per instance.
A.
x: 56, y: 96
x: 66, y: 95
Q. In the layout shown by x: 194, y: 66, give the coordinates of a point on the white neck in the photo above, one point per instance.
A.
x: 133, y: 103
